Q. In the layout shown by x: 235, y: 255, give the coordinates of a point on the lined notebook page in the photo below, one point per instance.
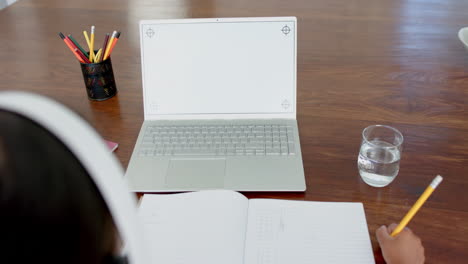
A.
x: 298, y: 232
x: 201, y: 227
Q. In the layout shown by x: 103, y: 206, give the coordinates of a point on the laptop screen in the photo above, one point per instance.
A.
x: 219, y: 66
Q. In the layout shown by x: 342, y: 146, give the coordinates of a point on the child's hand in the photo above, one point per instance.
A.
x: 405, y: 248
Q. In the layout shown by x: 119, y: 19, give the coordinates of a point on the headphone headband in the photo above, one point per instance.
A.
x: 88, y: 147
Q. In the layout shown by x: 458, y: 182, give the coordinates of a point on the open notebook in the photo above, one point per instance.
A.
x: 225, y: 227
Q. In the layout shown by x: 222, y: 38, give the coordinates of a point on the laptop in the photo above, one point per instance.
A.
x: 219, y: 100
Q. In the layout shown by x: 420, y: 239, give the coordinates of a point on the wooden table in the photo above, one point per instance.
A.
x: 360, y: 62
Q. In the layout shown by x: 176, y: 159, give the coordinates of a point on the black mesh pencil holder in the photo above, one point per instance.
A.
x: 99, y: 80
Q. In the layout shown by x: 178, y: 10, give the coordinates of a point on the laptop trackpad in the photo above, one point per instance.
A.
x: 194, y: 174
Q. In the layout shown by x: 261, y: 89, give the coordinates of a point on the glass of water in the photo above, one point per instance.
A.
x: 379, y: 156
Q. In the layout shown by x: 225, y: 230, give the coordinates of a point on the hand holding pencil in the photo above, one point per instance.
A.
x: 406, y: 248
x: 398, y: 243
x: 437, y: 180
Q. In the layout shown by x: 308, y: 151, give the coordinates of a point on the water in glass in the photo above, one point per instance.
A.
x: 378, y: 162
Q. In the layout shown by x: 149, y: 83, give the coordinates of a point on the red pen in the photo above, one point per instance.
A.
x: 83, y: 57
x: 77, y: 50
x: 71, y: 47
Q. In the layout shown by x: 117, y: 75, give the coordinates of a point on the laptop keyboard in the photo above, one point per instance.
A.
x: 219, y: 140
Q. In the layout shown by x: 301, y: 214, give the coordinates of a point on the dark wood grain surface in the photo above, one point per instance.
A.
x: 360, y: 62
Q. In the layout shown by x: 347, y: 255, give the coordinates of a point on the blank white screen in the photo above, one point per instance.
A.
x: 219, y: 67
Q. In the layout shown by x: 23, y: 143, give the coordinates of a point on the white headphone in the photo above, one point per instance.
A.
x: 89, y: 148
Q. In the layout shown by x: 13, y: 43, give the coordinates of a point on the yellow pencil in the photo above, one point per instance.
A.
x: 88, y: 42
x: 438, y: 179
x: 109, y: 45
x: 98, y: 55
x: 92, y: 58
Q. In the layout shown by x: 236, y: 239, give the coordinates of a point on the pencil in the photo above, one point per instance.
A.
x: 87, y: 41
x: 106, y: 39
x: 113, y: 44
x: 438, y: 179
x: 109, y: 44
x: 83, y: 57
x: 77, y: 44
x: 70, y: 47
x: 91, y: 47
x: 98, y: 55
